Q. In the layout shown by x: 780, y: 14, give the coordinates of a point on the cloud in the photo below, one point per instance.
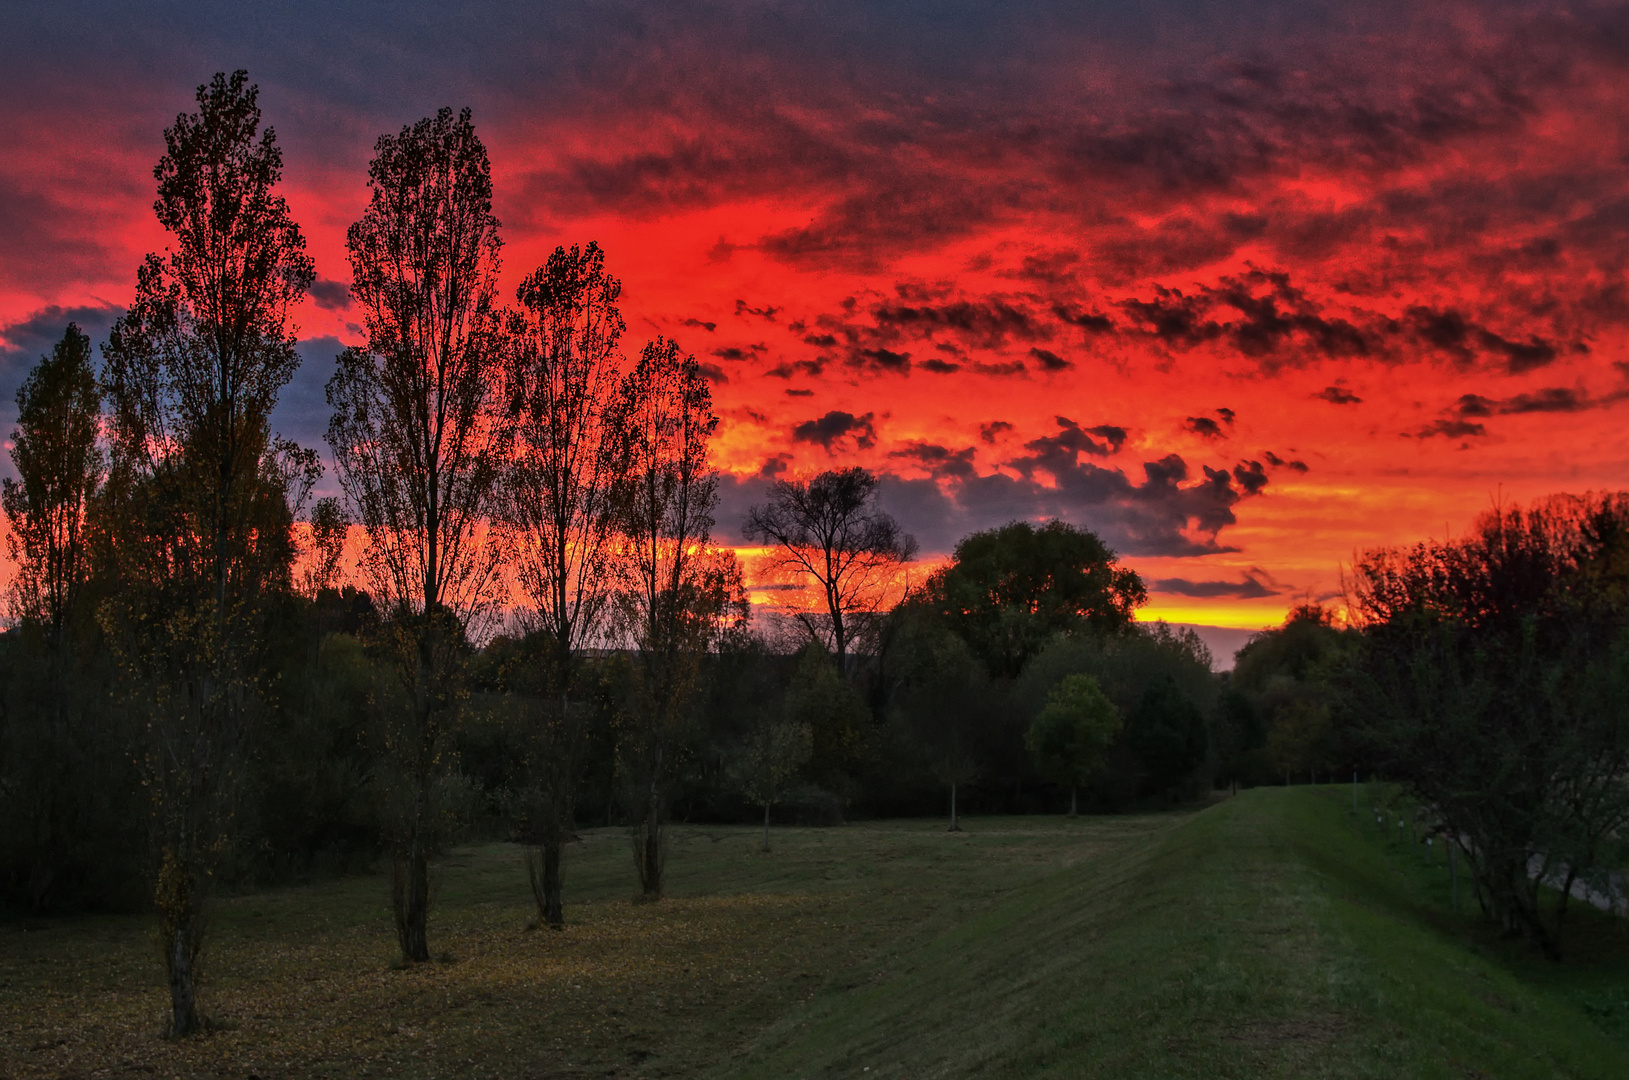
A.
x: 1064, y: 449
x: 1051, y: 361
x: 1338, y: 395
x: 1204, y: 427
x: 330, y: 295
x: 798, y: 393
x: 707, y: 326
x: 835, y: 429
x: 993, y: 430
x: 1452, y: 429
x: 1257, y: 585
x: 1279, y: 463
x: 713, y: 373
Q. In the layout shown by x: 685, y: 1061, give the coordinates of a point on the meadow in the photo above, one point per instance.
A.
x: 1271, y: 934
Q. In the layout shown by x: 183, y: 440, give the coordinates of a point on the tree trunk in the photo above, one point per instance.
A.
x: 553, y: 910
x: 954, y: 826
x: 410, y: 896
x: 766, y: 826
x: 1074, y: 807
x: 180, y: 955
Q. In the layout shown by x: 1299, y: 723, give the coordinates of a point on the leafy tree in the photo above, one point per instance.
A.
x: 59, y: 471
x: 830, y: 528
x: 201, y: 498
x: 1069, y: 735
x: 561, y: 381
x: 1493, y: 679
x: 677, y: 592
x: 778, y: 744
x: 1007, y: 591
x: 822, y: 700
x: 417, y: 437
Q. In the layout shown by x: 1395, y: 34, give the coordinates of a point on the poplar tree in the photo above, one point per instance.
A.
x: 201, y: 497
x: 47, y: 751
x: 561, y: 381
x: 417, y: 434
x: 676, y: 590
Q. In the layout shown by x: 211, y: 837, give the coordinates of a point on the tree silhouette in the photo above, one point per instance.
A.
x: 1007, y: 591
x: 202, y: 496
x: 417, y: 438
x: 50, y: 742
x: 561, y: 381
x: 830, y: 528
x: 675, y: 591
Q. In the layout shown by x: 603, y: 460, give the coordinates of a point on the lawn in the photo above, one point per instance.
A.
x: 1275, y: 934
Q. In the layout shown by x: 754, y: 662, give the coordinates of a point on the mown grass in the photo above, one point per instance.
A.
x: 1275, y: 934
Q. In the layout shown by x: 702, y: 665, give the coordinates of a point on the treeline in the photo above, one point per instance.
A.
x: 540, y: 629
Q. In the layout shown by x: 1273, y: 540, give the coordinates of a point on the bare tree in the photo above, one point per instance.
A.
x: 676, y: 590
x: 417, y: 437
x: 562, y: 382
x: 203, y: 493
x: 831, y: 529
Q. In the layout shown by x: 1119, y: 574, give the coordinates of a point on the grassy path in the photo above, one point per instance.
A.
x: 1270, y: 935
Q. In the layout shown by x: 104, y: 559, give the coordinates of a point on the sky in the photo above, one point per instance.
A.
x: 1245, y: 288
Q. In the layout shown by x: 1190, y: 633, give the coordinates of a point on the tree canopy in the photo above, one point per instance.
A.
x: 1007, y: 591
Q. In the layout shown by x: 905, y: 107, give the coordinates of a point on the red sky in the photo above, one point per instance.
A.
x: 1244, y: 291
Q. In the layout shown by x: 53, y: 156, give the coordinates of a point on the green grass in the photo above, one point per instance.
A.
x: 1269, y: 935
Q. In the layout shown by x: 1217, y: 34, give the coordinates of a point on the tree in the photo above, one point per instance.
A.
x: 676, y: 591
x: 942, y: 699
x: 59, y: 473
x: 778, y: 744
x: 1007, y: 591
x: 830, y: 528
x: 417, y: 435
x: 1068, y: 736
x: 1166, y: 731
x: 561, y: 382
x: 1492, y: 681
x: 201, y: 497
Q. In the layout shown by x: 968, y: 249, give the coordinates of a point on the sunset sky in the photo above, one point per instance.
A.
x: 1245, y: 288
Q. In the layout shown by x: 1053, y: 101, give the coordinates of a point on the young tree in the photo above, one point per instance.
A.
x: 417, y: 436
x: 830, y: 528
x: 59, y: 472
x: 1069, y: 736
x: 561, y: 382
x: 1007, y: 591
x: 200, y: 494
x: 777, y: 746
x: 676, y: 591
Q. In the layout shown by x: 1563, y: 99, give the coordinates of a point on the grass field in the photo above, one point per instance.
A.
x: 1269, y: 935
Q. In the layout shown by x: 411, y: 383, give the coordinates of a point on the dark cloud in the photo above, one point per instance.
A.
x: 1204, y: 427
x: 1257, y: 585
x: 766, y: 312
x: 1280, y: 463
x: 331, y: 295
x: 837, y: 428
x: 1452, y: 429
x: 1062, y: 451
x: 707, y: 326
x: 991, y: 431
x: 984, y: 324
x: 713, y: 373
x: 940, y: 367
x: 880, y: 359
x: 1456, y: 336
x: 1550, y: 399
x: 1338, y: 395
x: 799, y: 393
x: 790, y: 369
x: 1051, y: 361
x: 1252, y: 478
x: 938, y: 460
